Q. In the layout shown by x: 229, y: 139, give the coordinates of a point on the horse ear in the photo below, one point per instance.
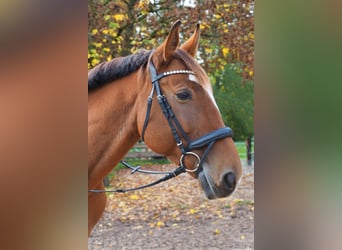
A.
x: 191, y: 45
x: 169, y: 46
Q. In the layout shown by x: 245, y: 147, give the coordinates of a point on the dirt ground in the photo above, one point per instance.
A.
x: 175, y: 215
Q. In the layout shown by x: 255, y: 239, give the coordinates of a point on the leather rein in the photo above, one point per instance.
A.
x: 206, y: 140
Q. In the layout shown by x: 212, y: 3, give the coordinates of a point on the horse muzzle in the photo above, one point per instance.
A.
x: 226, y: 186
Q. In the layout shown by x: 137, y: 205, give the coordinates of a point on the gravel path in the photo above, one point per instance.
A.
x: 174, y: 215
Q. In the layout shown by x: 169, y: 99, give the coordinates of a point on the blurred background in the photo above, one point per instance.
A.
x: 43, y: 95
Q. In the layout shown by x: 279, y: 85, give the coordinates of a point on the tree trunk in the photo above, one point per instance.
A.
x: 249, y: 150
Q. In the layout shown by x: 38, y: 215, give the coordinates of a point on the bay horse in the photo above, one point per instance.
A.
x: 186, y: 126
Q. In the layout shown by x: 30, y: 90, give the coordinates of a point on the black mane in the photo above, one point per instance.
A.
x: 115, y: 69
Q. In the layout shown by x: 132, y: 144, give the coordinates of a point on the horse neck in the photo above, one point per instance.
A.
x: 112, y: 124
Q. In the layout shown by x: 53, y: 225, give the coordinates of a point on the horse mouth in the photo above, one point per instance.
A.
x: 213, y: 191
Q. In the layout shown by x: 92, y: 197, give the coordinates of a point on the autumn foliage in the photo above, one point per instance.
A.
x: 119, y: 28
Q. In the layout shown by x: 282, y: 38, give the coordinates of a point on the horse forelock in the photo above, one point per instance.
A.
x: 191, y: 64
x: 115, y: 69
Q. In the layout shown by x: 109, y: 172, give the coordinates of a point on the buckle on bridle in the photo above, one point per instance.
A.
x: 181, y: 161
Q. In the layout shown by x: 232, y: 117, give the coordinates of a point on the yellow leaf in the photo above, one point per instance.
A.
x: 94, y: 62
x: 119, y: 17
x: 202, y: 26
x: 141, y: 4
x: 193, y: 211
x: 251, y: 36
x: 160, y: 224
x: 134, y: 197
x: 98, y: 45
x: 225, y: 51
x: 217, y: 231
x: 208, y: 50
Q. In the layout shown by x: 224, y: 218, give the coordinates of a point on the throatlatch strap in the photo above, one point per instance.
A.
x: 148, y: 111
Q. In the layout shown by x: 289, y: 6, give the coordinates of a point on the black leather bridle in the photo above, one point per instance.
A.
x: 206, y: 140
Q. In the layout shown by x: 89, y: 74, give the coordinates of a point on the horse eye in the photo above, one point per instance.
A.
x: 184, y: 95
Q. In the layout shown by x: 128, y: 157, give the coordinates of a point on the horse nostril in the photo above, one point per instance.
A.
x: 230, y: 181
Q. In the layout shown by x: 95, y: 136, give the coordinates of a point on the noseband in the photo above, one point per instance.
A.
x: 206, y: 140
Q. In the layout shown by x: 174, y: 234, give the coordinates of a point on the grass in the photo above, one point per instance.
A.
x: 241, y: 148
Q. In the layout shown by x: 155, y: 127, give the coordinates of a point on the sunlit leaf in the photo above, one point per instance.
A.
x: 134, y: 197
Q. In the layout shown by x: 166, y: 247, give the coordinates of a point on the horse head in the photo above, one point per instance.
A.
x: 204, y: 145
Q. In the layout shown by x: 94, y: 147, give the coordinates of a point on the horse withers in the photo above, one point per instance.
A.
x: 164, y: 97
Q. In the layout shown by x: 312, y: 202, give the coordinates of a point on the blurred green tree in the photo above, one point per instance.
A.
x: 235, y: 98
